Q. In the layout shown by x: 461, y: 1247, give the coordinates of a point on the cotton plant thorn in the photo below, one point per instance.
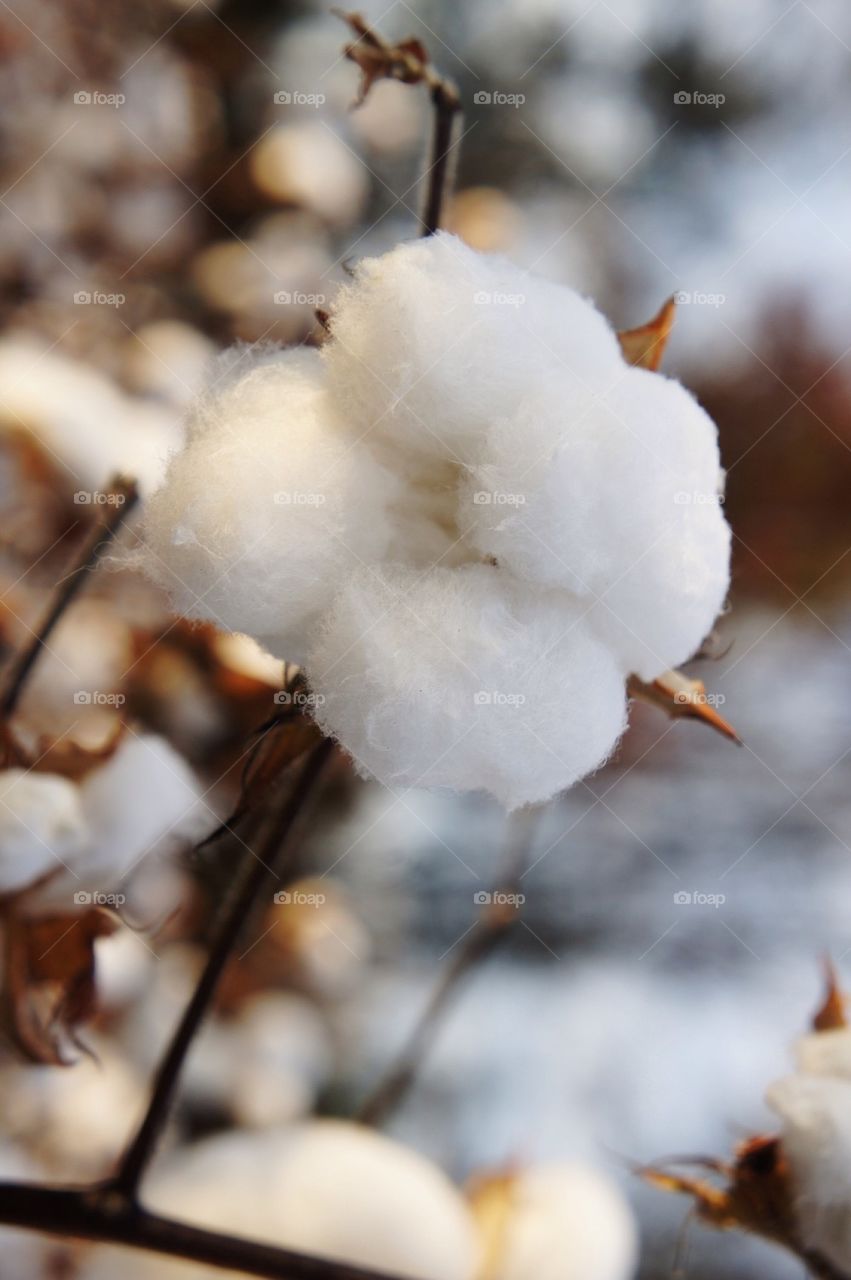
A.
x: 678, y: 695
x: 644, y: 346
x: 832, y: 1013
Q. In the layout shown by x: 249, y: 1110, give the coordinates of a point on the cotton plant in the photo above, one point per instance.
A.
x: 468, y: 516
x: 794, y: 1187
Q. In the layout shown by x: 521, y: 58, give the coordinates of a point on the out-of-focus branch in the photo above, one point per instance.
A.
x: 259, y: 867
x: 102, y: 1215
x: 122, y: 495
x: 408, y: 62
x: 485, y: 936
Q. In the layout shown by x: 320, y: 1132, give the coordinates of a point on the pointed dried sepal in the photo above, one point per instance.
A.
x: 831, y: 1015
x: 677, y: 695
x: 378, y: 59
x: 49, y: 989
x: 645, y: 346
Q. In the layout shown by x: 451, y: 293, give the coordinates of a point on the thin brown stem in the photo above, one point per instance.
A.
x: 257, y: 871
x: 485, y: 936
x: 447, y: 105
x: 122, y: 496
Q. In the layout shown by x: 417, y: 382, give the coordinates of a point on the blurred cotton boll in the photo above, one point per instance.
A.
x: 41, y: 825
x: 308, y: 165
x: 167, y: 358
x: 816, y: 1115
x: 555, y: 1222
x: 82, y: 418
x: 264, y: 1066
x: 143, y: 802
x: 328, y: 1188
x: 76, y: 1119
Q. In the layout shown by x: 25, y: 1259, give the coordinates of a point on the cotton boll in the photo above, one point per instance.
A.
x: 83, y: 665
x: 327, y: 1188
x: 614, y: 496
x: 269, y: 507
x: 825, y: 1053
x: 675, y: 570
x: 143, y: 801
x: 263, y: 1067
x: 433, y: 341
x: 816, y: 1114
x: 75, y: 1119
x: 42, y: 825
x: 556, y: 1222
x: 466, y: 678
x: 82, y: 419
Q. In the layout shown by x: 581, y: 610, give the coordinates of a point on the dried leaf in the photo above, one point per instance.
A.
x: 678, y: 695
x: 378, y: 59
x: 831, y: 1015
x: 645, y: 346
x: 49, y: 980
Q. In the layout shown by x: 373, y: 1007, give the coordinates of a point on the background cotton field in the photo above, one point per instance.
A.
x: 574, y: 894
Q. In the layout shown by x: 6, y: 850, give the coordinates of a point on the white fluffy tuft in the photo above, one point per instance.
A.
x: 475, y: 494
x: 432, y: 341
x: 466, y: 678
x: 269, y: 507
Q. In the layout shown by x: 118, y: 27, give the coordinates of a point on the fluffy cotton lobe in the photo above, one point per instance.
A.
x: 506, y: 520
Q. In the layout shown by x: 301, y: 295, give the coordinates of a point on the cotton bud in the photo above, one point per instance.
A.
x: 327, y: 1188
x: 555, y: 1222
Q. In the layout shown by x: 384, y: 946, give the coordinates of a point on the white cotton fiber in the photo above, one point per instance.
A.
x: 143, y: 801
x: 466, y: 678
x: 269, y: 507
x: 432, y: 341
x: 816, y: 1114
x: 480, y: 497
x: 42, y: 825
x: 565, y: 1222
x: 615, y: 496
x: 825, y: 1053
x: 328, y: 1188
